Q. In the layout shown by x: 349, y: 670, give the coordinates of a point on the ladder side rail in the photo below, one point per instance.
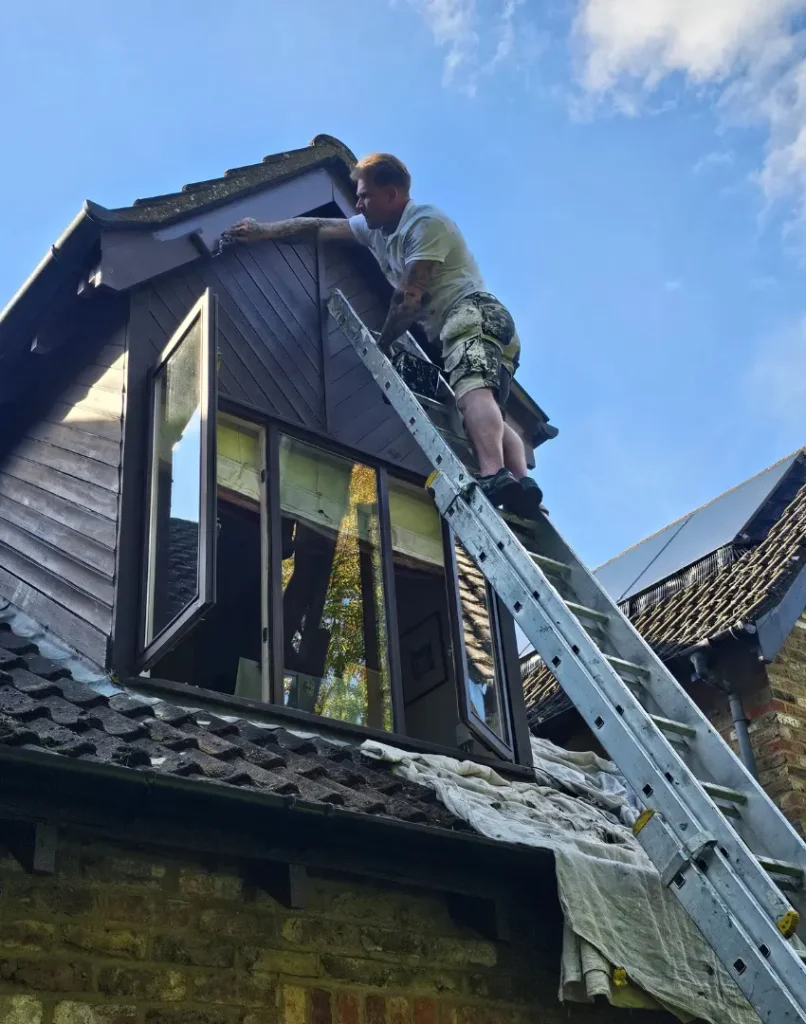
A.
x: 614, y: 714
x: 773, y: 832
x: 581, y: 678
x: 613, y: 692
x: 724, y: 883
x: 764, y: 984
x: 760, y: 814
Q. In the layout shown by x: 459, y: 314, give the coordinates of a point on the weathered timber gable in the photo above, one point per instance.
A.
x: 357, y: 415
x: 59, y: 493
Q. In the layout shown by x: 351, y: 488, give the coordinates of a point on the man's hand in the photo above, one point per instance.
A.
x: 246, y: 230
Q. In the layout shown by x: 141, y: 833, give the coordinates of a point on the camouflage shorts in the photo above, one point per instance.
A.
x: 480, y: 346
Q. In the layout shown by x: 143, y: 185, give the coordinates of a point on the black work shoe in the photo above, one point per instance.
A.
x: 502, y: 490
x: 531, y: 498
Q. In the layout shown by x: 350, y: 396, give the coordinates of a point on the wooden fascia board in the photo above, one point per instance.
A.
x: 129, y: 257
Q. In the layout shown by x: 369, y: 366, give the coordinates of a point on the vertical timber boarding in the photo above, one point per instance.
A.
x: 59, y: 491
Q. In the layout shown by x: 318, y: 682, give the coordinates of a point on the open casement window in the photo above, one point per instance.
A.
x: 484, y: 706
x: 180, y: 577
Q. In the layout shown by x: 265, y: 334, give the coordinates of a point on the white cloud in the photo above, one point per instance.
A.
x: 712, y: 161
x: 750, y: 53
x: 776, y: 380
x: 506, y: 34
x: 478, y: 36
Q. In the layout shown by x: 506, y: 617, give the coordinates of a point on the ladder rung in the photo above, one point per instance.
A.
x: 550, y: 564
x: 628, y: 666
x: 723, y: 793
x: 781, y: 867
x: 580, y: 610
x: 669, y: 725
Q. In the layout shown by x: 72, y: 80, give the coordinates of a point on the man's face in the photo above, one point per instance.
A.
x: 380, y: 205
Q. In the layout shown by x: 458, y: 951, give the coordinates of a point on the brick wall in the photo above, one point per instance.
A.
x: 779, y: 731
x: 775, y: 703
x: 120, y: 936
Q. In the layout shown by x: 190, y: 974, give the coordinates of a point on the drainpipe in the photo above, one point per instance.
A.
x: 703, y: 672
x: 740, y: 724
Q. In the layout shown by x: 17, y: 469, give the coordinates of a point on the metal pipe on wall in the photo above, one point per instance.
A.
x: 702, y: 670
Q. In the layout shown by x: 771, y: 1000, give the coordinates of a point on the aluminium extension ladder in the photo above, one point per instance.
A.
x: 717, y: 840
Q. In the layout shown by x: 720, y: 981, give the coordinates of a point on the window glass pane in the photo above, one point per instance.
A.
x: 484, y: 679
x: 334, y: 626
x: 176, y: 484
x: 423, y: 622
x: 224, y: 651
x: 239, y: 460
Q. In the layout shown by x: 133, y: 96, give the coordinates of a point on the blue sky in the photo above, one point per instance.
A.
x: 632, y: 187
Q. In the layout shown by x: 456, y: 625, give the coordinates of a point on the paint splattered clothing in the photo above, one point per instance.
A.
x: 478, y: 335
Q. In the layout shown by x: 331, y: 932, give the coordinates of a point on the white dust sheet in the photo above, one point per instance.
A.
x: 625, y: 937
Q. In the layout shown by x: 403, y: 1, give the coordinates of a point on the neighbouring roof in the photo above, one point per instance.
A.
x: 692, y: 537
x: 738, y: 582
x: 44, y: 709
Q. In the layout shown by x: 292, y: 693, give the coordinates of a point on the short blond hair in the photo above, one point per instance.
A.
x: 384, y: 170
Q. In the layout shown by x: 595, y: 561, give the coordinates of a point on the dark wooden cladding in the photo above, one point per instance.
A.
x: 357, y: 415
x: 268, y: 320
x: 59, y: 498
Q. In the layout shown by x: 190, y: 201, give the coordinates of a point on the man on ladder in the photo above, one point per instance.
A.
x: 438, y: 285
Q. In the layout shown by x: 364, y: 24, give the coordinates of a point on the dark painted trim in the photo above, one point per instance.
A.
x: 254, y: 710
x: 388, y: 576
x: 205, y: 309
x: 134, y: 467
x: 466, y: 713
x: 505, y: 748
x: 318, y: 440
x: 277, y: 667
x: 513, y: 685
x: 775, y: 625
x: 455, y: 622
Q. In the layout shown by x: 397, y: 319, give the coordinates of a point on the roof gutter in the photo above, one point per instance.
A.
x: 740, y: 630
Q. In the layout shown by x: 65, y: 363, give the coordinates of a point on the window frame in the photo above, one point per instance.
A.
x: 272, y: 662
x: 152, y: 648
x: 259, y: 430
x: 275, y: 587
x: 467, y: 712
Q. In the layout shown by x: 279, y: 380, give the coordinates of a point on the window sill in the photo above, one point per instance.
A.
x: 255, y: 710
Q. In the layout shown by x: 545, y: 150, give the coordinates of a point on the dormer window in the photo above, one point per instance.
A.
x: 283, y: 571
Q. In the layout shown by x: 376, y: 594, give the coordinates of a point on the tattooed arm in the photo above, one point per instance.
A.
x: 298, y: 229
x: 411, y: 297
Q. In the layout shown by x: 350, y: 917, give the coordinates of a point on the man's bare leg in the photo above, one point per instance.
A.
x: 514, y: 453
x: 485, y: 428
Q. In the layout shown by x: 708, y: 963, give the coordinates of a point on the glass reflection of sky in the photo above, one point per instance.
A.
x: 186, y: 472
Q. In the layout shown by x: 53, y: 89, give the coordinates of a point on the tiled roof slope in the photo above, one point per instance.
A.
x: 742, y: 592
x: 323, y: 151
x: 42, y: 708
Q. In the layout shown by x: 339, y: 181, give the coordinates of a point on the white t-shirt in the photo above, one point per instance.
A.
x: 425, y: 233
